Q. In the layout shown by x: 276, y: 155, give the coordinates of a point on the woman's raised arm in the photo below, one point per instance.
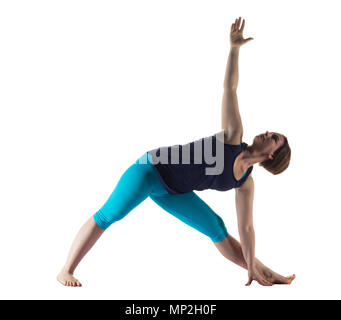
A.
x: 231, y: 120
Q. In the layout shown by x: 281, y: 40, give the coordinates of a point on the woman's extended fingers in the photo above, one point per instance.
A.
x: 263, y: 281
x: 266, y: 282
x: 236, y: 25
x: 243, y: 25
x: 249, y: 281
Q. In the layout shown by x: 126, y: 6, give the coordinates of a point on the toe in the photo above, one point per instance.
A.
x: 290, y: 279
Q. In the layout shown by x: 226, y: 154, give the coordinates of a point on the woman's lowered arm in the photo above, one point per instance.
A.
x: 244, y: 205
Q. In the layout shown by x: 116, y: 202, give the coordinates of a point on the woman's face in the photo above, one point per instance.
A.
x: 268, y: 143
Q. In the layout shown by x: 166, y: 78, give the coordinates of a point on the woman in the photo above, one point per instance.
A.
x: 170, y: 183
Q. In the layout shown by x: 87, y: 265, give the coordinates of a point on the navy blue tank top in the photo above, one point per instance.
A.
x: 202, y: 164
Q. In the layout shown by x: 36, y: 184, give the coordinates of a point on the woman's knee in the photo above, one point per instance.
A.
x: 220, y: 231
x: 132, y: 188
x: 104, y: 219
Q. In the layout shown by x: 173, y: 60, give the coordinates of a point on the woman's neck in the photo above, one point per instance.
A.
x: 247, y: 158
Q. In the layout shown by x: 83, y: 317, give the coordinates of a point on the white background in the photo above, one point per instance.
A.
x: 89, y: 86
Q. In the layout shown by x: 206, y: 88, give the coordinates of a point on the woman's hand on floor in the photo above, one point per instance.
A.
x: 272, y: 276
x: 255, y: 274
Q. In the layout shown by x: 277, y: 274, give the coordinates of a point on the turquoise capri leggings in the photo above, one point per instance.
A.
x: 140, y: 181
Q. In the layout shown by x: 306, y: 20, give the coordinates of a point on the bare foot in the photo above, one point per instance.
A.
x: 275, y: 277
x: 67, y: 279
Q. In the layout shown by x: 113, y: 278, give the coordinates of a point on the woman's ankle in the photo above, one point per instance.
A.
x: 68, y: 270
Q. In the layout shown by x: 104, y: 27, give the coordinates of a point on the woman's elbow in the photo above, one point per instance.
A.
x: 246, y: 228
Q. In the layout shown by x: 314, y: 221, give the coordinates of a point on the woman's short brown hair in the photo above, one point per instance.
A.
x: 280, y: 161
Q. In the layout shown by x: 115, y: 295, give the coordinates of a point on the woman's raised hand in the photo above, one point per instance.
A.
x: 236, y: 34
